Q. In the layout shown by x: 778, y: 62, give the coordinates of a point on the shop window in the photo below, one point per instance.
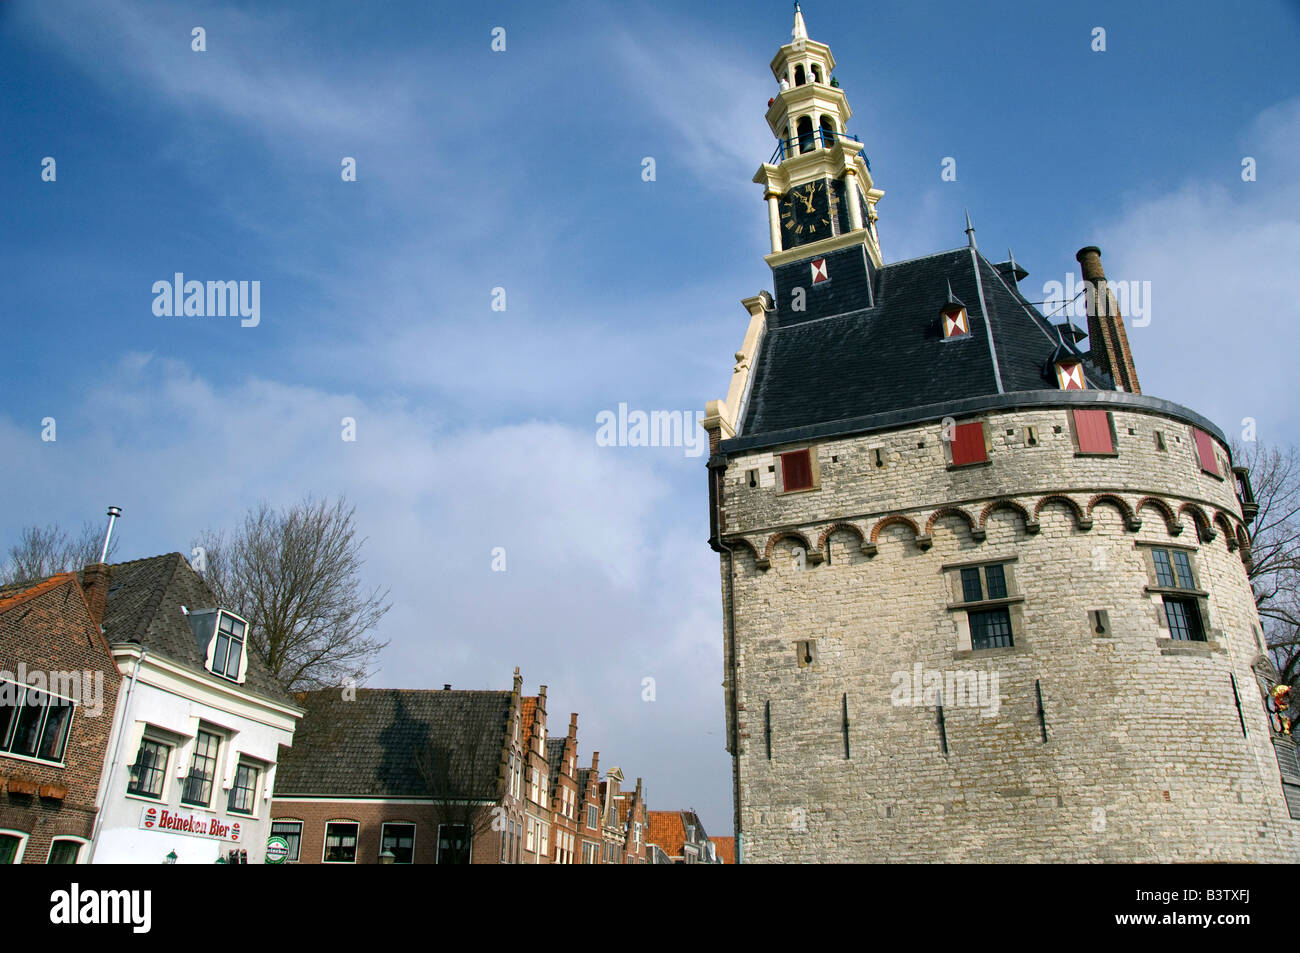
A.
x: 203, y: 770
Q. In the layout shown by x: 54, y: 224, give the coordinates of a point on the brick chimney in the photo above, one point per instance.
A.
x: 94, y: 581
x: 1107, y: 340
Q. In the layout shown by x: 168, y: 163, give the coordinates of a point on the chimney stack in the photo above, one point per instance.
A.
x: 1107, y: 341
x: 94, y: 581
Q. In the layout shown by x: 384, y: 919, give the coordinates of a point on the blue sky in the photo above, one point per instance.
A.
x: 522, y: 170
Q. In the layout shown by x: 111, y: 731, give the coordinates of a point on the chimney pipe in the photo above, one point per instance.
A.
x: 446, y: 686
x: 113, y: 513
x: 1108, y: 346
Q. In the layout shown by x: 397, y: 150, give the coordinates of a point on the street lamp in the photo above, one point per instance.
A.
x: 170, y: 858
x: 387, y: 857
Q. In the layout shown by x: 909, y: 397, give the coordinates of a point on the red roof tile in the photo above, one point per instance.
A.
x: 726, y: 847
x: 666, y: 829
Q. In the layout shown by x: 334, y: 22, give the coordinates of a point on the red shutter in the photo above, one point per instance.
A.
x: 968, y: 444
x: 1092, y: 427
x: 796, y: 470
x: 1205, y: 450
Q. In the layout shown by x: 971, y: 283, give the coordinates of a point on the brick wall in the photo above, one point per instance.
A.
x: 52, y: 632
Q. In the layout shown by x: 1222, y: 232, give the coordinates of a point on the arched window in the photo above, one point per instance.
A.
x: 828, y: 130
x: 817, y: 73
x: 799, y: 78
x: 807, y: 142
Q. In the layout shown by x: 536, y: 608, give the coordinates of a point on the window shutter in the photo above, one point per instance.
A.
x: 1092, y: 427
x: 968, y: 444
x: 1205, y: 451
x: 796, y: 470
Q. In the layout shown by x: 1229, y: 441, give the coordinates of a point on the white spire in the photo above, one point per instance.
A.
x: 800, y: 31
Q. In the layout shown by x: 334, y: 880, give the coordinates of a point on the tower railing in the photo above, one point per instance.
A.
x: 809, y: 141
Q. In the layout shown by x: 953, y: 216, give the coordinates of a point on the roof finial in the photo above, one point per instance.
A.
x: 800, y: 31
x: 970, y: 230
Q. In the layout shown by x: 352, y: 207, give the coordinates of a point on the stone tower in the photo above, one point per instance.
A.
x: 983, y: 599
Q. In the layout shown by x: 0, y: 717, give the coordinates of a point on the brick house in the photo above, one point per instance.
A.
x: 427, y: 776
x: 199, y: 725
x: 562, y: 765
x: 591, y: 838
x: 630, y: 815
x: 58, y: 690
x: 682, y: 838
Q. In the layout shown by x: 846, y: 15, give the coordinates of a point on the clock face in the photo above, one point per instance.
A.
x: 805, y: 214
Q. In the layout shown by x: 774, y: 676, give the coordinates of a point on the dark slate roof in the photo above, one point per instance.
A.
x: 379, y: 744
x: 144, y: 605
x: 555, y: 759
x: 870, y: 341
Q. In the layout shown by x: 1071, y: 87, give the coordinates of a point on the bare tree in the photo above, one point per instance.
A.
x: 1274, y: 567
x: 294, y: 574
x: 46, y: 551
x: 455, y: 784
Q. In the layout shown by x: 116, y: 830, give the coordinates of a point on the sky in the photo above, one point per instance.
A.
x: 501, y: 272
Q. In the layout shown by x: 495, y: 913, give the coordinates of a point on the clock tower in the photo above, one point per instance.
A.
x: 818, y: 186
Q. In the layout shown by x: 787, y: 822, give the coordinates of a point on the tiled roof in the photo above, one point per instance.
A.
x: 381, y: 743
x: 870, y: 341
x: 668, y: 830
x: 144, y: 605
x: 528, y: 712
x: 15, y: 595
x: 726, y: 847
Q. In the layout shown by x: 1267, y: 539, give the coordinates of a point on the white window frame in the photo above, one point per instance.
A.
x: 22, y: 836
x: 290, y: 820
x: 325, y: 840
x: 81, y: 843
x: 172, y: 748
x: 414, y: 832
x: 13, y: 726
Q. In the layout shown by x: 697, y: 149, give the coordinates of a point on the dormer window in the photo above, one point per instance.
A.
x: 1069, y: 375
x: 953, y: 318
x: 228, y: 656
x: 223, y: 638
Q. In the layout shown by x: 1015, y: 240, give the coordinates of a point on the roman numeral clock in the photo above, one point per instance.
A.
x: 806, y: 214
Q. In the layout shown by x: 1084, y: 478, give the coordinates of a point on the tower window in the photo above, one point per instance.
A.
x: 1205, y: 452
x: 1175, y: 583
x: 967, y: 444
x: 807, y: 141
x: 817, y: 73
x: 990, y: 629
x: 799, y: 76
x: 798, y: 470
x: 985, y: 593
x: 1092, y: 431
x: 828, y: 131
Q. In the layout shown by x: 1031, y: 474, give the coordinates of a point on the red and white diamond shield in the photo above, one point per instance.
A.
x: 1071, y: 376
x: 819, y: 272
x: 954, y: 324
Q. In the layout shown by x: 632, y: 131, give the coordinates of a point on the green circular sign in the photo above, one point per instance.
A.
x: 277, y: 850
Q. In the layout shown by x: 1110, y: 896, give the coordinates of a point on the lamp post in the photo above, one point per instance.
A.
x: 170, y: 858
x: 387, y: 857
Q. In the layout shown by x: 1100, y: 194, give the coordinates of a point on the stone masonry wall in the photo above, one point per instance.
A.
x: 1145, y: 757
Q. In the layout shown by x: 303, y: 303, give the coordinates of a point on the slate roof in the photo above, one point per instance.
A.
x: 144, y: 605
x: 870, y: 341
x: 375, y: 744
x: 555, y: 760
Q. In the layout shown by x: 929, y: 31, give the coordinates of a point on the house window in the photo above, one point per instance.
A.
x: 531, y: 843
x: 11, y: 847
x: 453, y: 844
x: 243, y: 793
x: 63, y: 850
x: 229, y: 651
x: 291, y: 831
x: 532, y: 787
x: 340, y: 842
x: 1092, y: 431
x: 593, y: 816
x: 400, y: 839
x: 588, y: 853
x: 1177, y: 587
x: 967, y: 444
x: 1205, y: 452
x: 33, y: 723
x: 150, y: 769
x: 203, y: 769
x: 797, y: 470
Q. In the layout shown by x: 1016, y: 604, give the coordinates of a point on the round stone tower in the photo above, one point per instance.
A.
x: 983, y: 599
